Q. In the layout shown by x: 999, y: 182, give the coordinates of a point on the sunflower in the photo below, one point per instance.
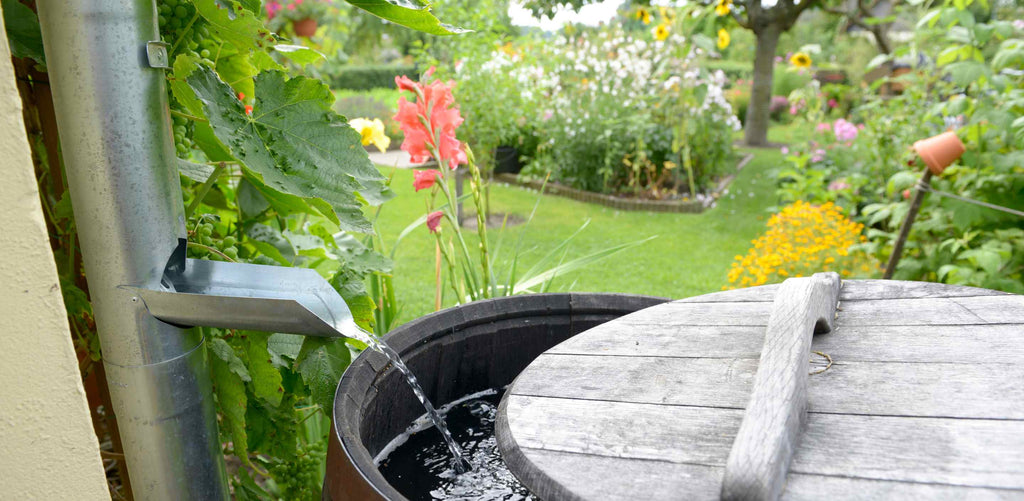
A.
x: 723, y: 39
x: 800, y: 60
x: 661, y: 32
x: 643, y: 15
x: 724, y: 7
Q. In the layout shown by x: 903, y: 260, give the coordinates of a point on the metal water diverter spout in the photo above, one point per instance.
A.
x: 105, y: 64
x: 195, y: 292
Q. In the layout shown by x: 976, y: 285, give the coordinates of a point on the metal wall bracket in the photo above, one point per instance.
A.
x: 156, y: 54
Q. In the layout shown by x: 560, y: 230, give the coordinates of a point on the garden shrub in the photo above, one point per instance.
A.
x: 613, y: 113
x: 739, y: 99
x: 803, y: 239
x: 873, y: 175
x: 734, y: 70
x: 371, y: 77
x: 787, y: 79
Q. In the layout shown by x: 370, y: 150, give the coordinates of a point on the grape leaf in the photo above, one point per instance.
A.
x: 230, y: 390
x: 283, y: 346
x: 221, y: 350
x: 321, y: 362
x: 233, y: 24
x: 23, y: 34
x: 266, y: 379
x: 299, y: 54
x: 254, y: 6
x: 352, y: 288
x: 413, y: 14
x: 295, y: 143
x: 203, y: 134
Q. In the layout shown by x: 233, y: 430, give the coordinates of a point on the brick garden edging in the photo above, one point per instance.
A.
x: 677, y: 206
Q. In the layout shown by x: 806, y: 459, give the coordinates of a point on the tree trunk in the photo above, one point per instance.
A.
x: 756, y: 131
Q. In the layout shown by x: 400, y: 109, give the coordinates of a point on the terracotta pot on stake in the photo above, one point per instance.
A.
x: 938, y: 152
x: 304, y: 27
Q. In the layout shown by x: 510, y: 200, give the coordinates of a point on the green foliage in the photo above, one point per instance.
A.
x: 292, y: 141
x: 785, y: 80
x: 734, y: 70
x: 873, y: 176
x: 271, y: 175
x: 596, y: 122
x: 22, y: 28
x: 371, y: 76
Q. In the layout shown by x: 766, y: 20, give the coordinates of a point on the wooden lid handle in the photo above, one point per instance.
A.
x: 760, y: 455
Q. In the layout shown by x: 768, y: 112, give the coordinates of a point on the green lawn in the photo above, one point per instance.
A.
x: 690, y: 256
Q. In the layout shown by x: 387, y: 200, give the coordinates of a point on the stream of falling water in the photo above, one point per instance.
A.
x: 461, y: 464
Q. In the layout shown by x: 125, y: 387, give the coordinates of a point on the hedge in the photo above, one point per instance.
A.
x: 371, y: 77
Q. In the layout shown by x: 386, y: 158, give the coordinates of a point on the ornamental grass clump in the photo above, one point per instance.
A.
x: 801, y: 240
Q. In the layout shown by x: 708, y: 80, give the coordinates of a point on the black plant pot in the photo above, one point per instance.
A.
x: 506, y: 160
x: 454, y: 352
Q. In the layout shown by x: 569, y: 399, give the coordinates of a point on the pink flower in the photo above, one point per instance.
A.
x: 430, y: 121
x: 423, y: 179
x: 832, y: 103
x: 434, y: 221
x: 792, y: 110
x: 819, y: 155
x: 845, y: 131
x: 272, y: 7
x: 838, y: 184
x: 823, y: 127
x: 291, y: 6
x: 784, y: 150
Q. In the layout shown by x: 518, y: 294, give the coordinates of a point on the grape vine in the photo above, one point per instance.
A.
x: 257, y: 190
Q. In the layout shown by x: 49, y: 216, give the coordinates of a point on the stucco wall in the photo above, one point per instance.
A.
x: 48, y: 449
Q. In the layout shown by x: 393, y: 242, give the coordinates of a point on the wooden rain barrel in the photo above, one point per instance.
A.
x: 454, y: 352
x: 812, y: 389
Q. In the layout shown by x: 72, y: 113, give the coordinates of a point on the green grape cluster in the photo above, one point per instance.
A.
x: 204, y: 234
x: 300, y: 478
x: 187, y: 34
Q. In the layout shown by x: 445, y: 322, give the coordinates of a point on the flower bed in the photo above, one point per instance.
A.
x: 605, y: 111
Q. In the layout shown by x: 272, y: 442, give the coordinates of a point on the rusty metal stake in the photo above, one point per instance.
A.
x: 915, y: 206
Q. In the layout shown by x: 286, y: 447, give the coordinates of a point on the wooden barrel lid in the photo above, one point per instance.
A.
x: 923, y: 398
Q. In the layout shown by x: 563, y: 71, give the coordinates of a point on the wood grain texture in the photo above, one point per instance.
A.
x: 759, y: 459
x: 923, y: 401
x: 852, y: 290
x: 981, y: 390
x: 968, y: 452
x: 1001, y: 344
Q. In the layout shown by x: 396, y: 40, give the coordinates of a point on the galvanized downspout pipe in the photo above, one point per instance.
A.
x: 118, y: 150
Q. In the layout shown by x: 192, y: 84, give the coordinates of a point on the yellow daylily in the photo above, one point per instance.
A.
x: 371, y: 132
x: 643, y: 15
x: 723, y: 39
x: 661, y: 32
x: 723, y: 8
x: 800, y: 60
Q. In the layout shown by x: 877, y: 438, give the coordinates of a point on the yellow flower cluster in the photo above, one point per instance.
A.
x: 801, y: 240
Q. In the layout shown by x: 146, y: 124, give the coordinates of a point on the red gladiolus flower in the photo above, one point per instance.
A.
x: 430, y: 121
x: 423, y: 179
x: 434, y: 221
